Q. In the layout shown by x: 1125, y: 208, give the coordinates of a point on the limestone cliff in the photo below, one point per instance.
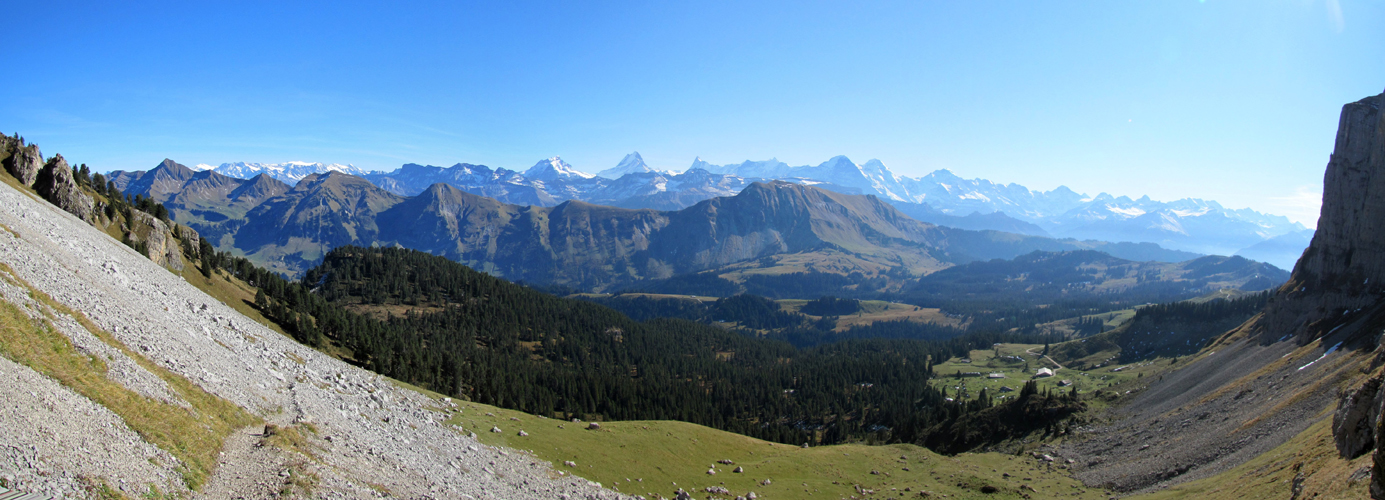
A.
x: 158, y: 240
x: 1337, y: 287
x: 56, y: 184
x: 1343, y: 269
x: 21, y: 161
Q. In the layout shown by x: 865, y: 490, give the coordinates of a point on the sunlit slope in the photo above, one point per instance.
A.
x: 657, y: 457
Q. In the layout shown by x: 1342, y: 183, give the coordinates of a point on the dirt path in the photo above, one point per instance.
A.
x: 1045, y: 356
x: 245, y: 470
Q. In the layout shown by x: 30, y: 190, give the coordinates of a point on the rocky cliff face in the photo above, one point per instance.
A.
x: 23, y: 162
x: 160, y: 244
x: 55, y: 183
x: 1337, y: 287
x: 1342, y: 270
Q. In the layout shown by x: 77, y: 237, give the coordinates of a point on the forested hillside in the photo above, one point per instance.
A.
x: 1166, y: 330
x: 499, y: 343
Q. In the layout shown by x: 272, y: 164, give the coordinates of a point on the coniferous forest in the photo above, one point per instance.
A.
x: 435, y: 323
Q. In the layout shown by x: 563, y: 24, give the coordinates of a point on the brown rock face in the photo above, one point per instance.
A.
x: 1343, y: 269
x: 162, y: 248
x: 55, y: 183
x: 23, y: 162
x: 1338, y: 285
x: 1350, y: 240
x: 1353, y: 425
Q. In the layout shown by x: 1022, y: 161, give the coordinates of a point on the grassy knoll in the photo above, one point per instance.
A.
x: 655, y: 458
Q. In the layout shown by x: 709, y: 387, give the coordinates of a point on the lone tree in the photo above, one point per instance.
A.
x: 205, y: 250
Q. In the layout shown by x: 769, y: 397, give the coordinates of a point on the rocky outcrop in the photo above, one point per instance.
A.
x: 156, y: 239
x: 23, y: 162
x: 1353, y: 425
x: 1343, y: 268
x: 56, y: 184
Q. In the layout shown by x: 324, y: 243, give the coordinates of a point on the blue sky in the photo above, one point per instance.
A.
x: 1232, y: 101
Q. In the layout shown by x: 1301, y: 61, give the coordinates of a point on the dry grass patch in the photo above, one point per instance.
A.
x: 230, y: 291
x: 195, y: 436
x: 1309, y: 459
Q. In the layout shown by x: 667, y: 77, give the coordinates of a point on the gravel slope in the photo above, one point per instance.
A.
x: 373, y: 437
x: 1211, y: 415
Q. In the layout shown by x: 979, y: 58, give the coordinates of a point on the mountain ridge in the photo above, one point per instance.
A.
x: 1201, y: 226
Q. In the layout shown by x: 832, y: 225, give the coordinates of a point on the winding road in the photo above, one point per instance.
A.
x: 1045, y: 356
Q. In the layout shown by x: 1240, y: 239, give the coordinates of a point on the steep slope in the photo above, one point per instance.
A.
x: 1276, y: 376
x: 322, y: 212
x: 357, y: 434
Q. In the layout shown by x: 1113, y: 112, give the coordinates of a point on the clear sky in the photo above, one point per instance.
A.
x: 1235, y: 101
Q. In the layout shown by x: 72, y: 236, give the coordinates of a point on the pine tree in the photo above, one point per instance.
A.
x: 204, y: 249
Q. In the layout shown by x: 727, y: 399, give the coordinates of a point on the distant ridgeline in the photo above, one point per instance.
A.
x: 758, y: 316
x: 994, y: 295
x: 1049, y: 286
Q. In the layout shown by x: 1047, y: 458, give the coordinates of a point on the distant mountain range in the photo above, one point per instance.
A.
x: 941, y: 197
x: 288, y: 172
x: 767, y: 227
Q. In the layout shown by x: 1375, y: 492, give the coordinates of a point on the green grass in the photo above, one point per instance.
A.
x: 1016, y: 374
x: 195, y: 436
x: 658, y: 457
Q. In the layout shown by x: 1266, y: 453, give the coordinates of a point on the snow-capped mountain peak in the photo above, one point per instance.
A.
x: 554, y: 168
x: 289, y: 172
x: 633, y: 163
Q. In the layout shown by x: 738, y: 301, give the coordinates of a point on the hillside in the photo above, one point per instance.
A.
x: 1090, y: 282
x: 1275, y: 385
x: 111, y: 356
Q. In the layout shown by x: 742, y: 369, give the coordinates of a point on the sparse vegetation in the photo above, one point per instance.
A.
x: 193, y: 435
x: 657, y: 457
